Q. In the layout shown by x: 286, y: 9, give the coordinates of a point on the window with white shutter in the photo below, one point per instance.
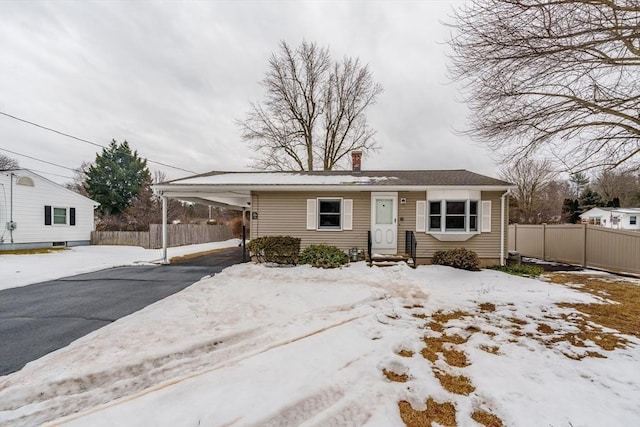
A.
x: 486, y: 216
x: 421, y: 210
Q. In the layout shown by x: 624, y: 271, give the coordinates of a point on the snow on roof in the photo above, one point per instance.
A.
x: 594, y: 211
x: 281, y: 178
x: 458, y: 177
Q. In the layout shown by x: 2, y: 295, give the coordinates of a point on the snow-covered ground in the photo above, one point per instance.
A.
x: 301, y: 346
x: 21, y: 270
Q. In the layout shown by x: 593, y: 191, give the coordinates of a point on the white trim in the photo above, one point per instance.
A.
x: 451, y: 236
x: 318, y: 228
x: 443, y: 218
x: 221, y: 188
x: 53, y: 216
x: 394, y: 196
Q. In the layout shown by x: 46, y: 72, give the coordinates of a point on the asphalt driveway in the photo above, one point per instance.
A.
x: 43, y: 317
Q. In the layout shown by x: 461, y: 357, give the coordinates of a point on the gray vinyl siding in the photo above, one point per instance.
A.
x: 285, y: 213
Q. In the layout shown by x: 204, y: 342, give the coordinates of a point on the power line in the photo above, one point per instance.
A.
x: 52, y: 130
x: 50, y: 173
x: 86, y: 141
x: 38, y: 160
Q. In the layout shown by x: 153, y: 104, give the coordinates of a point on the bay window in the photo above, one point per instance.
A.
x: 453, y: 216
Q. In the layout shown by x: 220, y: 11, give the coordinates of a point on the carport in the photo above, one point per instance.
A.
x: 195, y: 190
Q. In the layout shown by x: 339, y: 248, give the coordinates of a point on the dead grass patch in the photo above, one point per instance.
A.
x: 485, y: 418
x: 419, y: 315
x: 441, y: 413
x: 405, y: 353
x: 392, y: 376
x: 455, y: 358
x: 414, y: 306
x: 435, y: 326
x: 435, y: 345
x: 441, y: 317
x: 624, y: 316
x: 187, y: 257
x: 517, y: 321
x: 487, y: 306
x: 458, y: 384
x: 543, y: 328
x: 33, y: 251
x: 490, y: 348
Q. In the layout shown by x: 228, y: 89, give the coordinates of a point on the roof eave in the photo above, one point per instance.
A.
x: 216, y: 188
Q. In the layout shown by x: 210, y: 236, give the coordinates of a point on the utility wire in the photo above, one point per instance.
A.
x: 50, y: 173
x: 38, y: 160
x: 85, y: 141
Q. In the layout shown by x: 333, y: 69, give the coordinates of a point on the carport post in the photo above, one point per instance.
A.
x: 164, y: 230
x: 244, y: 235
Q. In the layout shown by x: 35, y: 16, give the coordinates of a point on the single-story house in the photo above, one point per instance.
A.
x: 36, y: 212
x: 618, y: 218
x: 442, y: 209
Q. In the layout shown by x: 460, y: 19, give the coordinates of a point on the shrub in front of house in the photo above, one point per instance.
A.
x: 323, y: 256
x: 276, y: 249
x: 457, y: 258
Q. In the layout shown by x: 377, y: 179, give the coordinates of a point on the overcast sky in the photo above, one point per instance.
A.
x: 172, y: 78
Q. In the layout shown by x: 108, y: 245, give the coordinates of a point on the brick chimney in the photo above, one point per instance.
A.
x: 356, y: 160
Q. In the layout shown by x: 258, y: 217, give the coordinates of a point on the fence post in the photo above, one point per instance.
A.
x: 584, y: 247
x: 544, y: 241
x: 515, y: 237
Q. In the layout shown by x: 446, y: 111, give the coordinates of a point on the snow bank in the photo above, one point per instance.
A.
x: 21, y: 270
x: 289, y: 346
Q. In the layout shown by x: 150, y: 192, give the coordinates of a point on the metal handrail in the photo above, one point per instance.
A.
x: 369, y: 245
x: 410, y: 245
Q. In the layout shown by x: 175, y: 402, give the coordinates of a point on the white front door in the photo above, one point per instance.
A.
x: 384, y: 223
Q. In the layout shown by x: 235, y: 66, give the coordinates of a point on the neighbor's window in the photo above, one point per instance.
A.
x: 633, y: 220
x: 329, y: 211
x: 454, y: 215
x: 60, y: 216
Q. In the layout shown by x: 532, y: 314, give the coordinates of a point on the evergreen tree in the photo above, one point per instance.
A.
x: 116, y: 177
x: 579, y: 180
x: 570, y: 211
x: 589, y: 199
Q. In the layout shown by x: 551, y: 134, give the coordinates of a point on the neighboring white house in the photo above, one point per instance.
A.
x: 36, y: 212
x: 619, y: 218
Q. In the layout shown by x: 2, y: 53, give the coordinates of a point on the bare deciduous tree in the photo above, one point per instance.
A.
x: 623, y: 185
x: 7, y: 163
x: 530, y: 179
x: 314, y: 111
x: 552, y: 76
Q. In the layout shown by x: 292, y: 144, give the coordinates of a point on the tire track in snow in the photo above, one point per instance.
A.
x: 67, y: 417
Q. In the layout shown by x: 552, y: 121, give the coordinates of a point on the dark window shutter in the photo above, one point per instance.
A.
x: 72, y: 216
x: 47, y: 215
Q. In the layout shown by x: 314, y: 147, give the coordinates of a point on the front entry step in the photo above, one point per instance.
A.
x: 390, y: 260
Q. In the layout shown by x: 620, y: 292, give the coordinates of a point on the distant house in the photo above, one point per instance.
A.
x: 440, y: 209
x: 618, y: 218
x: 36, y: 212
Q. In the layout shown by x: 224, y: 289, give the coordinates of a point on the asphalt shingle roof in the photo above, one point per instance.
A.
x: 457, y: 177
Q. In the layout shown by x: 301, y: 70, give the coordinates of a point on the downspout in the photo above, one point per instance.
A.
x: 164, y: 230
x: 502, y: 207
